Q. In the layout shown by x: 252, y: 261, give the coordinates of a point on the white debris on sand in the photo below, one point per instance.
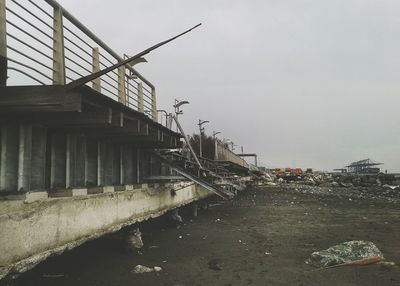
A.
x: 144, y: 269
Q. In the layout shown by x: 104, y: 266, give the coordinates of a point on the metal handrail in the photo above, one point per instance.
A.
x: 103, y: 45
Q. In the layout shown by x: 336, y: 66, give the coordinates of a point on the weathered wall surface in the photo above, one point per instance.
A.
x: 30, y: 232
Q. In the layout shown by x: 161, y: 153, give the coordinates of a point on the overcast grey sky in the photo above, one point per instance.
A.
x: 311, y: 83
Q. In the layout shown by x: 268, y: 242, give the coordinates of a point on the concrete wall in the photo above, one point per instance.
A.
x: 36, y: 227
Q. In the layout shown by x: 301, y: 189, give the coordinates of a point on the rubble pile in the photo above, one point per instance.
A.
x: 382, y: 187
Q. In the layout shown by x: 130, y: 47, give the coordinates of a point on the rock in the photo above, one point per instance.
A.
x: 343, y: 253
x: 134, y: 239
x: 144, y: 269
x: 334, y: 184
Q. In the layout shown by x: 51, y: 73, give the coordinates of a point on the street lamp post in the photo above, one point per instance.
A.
x: 215, y: 134
x: 201, y: 122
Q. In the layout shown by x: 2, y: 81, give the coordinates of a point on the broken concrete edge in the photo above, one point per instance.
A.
x: 15, y: 269
x: 33, y: 196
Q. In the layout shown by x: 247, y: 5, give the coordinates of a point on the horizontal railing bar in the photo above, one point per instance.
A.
x: 146, y: 90
x: 133, y: 98
x: 79, y: 56
x: 107, y: 59
x: 30, y: 24
x: 28, y: 57
x: 38, y: 18
x: 74, y: 71
x: 78, y: 64
x: 41, y: 9
x: 78, y: 37
x: 133, y: 86
x: 27, y: 74
x: 26, y: 44
x: 29, y: 67
x: 26, y: 33
x: 110, y: 84
x: 106, y: 89
x: 116, y: 81
x: 86, y: 31
x: 79, y: 47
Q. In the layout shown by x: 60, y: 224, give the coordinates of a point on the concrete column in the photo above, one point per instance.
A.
x: 24, y: 157
x: 9, y: 157
x: 96, y: 67
x: 80, y: 171
x: 3, y: 44
x: 58, y: 161
x: 70, y: 166
x: 136, y: 165
x: 58, y: 47
x: 121, y: 85
x: 91, y: 163
x: 140, y: 97
x: 100, y: 163
x: 128, y: 167
x: 121, y: 165
x: 154, y: 104
x: 109, y: 165
x: 38, y: 165
x: 116, y: 169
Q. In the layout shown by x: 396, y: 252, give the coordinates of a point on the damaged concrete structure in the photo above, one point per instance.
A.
x: 79, y: 160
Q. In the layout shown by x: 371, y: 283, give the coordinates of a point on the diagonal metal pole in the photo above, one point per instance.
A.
x: 89, y: 78
x: 187, y: 141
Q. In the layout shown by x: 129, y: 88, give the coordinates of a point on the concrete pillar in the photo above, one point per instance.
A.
x: 109, y: 165
x: 3, y: 44
x: 80, y: 171
x: 96, y: 67
x: 24, y: 157
x: 101, y: 163
x: 58, y: 161
x: 154, y: 104
x: 91, y: 163
x: 116, y: 169
x: 70, y: 167
x: 121, y: 165
x: 9, y: 157
x: 38, y: 165
x: 136, y: 165
x: 140, y: 97
x: 128, y: 167
x: 58, y: 47
x: 121, y: 85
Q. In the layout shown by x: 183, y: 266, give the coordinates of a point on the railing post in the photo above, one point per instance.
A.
x: 96, y: 67
x: 3, y: 44
x: 140, y: 97
x: 154, y: 104
x: 121, y: 85
x: 58, y: 46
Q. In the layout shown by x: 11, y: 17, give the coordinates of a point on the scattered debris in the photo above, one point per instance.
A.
x: 356, y: 251
x: 214, y: 264
x: 144, y: 269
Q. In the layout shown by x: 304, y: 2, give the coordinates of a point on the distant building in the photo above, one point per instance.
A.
x: 366, y: 166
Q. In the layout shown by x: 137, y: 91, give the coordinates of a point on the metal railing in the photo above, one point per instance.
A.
x: 44, y: 44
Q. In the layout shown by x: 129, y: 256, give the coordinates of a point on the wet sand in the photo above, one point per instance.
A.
x: 260, y: 238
